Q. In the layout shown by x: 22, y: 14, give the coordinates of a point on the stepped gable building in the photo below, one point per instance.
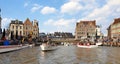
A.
x: 114, y: 30
x: 19, y: 28
x: 31, y: 28
x: 16, y: 28
x: 85, y: 29
x: 28, y: 27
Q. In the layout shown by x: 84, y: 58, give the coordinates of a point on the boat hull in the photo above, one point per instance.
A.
x: 87, y: 46
x: 99, y: 43
x: 5, y: 49
x: 47, y: 48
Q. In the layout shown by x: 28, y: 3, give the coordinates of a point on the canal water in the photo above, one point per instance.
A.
x: 63, y: 55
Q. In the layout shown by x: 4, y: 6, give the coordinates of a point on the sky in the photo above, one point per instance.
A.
x: 60, y: 15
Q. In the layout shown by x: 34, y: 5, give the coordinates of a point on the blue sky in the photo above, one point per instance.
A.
x: 60, y: 15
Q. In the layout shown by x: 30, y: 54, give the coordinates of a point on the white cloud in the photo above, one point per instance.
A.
x: 78, y: 6
x: 48, y: 10
x: 26, y: 4
x: 105, y: 15
x: 71, y: 7
x: 35, y: 7
x: 61, y: 25
x: 50, y: 21
x: 75, y: 0
x: 5, y: 22
x: 60, y: 22
x: 108, y: 10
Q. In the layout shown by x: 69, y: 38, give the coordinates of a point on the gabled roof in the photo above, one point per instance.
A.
x: 27, y: 21
x: 117, y: 20
x: 88, y: 22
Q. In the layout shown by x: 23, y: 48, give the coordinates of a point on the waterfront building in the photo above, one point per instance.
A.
x: 98, y: 32
x: 61, y: 35
x: 16, y: 28
x: 109, y: 31
x: 85, y: 29
x: 35, y: 29
x: 115, y: 28
x: 28, y: 27
x: 31, y: 28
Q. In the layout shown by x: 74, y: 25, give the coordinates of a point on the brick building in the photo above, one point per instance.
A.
x: 85, y: 29
x: 114, y: 29
x: 31, y: 28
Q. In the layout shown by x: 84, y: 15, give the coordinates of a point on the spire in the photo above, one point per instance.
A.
x: 0, y: 12
x: 0, y: 22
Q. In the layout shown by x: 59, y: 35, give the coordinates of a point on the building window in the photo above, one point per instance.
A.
x: 13, y: 27
x: 20, y: 32
x: 20, y: 27
x: 16, y: 27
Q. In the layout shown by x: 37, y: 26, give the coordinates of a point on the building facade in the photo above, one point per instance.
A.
x: 109, y: 31
x: 98, y: 32
x: 28, y: 27
x: 85, y: 29
x: 115, y: 28
x: 35, y: 29
x: 31, y: 28
x: 16, y: 28
x: 19, y: 28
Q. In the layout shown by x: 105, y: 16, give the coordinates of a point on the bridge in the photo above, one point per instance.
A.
x: 68, y: 40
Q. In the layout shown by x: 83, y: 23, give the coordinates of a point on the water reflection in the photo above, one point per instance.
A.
x: 101, y: 55
x: 63, y: 55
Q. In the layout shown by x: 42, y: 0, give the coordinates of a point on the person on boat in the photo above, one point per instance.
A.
x: 88, y: 44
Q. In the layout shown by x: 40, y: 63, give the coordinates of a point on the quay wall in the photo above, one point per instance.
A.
x: 72, y: 40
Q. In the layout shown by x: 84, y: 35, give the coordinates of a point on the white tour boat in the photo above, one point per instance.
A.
x: 46, y: 47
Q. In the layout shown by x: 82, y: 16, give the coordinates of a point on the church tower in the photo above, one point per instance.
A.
x: 0, y: 22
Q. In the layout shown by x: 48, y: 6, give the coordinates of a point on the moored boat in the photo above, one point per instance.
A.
x: 87, y: 46
x: 4, y: 49
x: 99, y: 43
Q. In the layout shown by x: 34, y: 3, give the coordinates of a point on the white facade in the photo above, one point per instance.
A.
x: 17, y: 28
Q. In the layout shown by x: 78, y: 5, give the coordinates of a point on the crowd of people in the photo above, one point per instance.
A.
x: 16, y: 41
